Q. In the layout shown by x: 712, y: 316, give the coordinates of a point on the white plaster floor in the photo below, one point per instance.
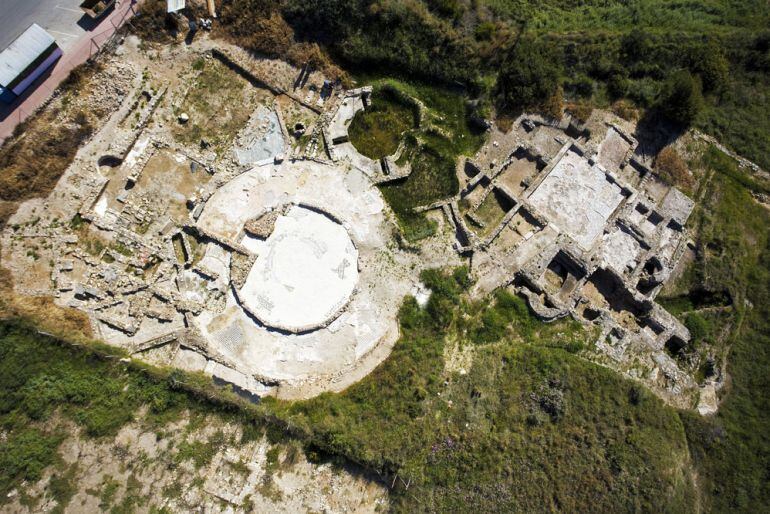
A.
x: 384, y: 277
x: 305, y: 272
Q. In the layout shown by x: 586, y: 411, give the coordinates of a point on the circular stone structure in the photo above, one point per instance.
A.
x: 305, y: 272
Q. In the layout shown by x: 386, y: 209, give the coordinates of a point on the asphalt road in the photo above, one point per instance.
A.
x: 63, y: 19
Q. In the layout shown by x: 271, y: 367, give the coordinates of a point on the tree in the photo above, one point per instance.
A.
x: 681, y: 98
x: 759, y: 55
x: 636, y: 46
x: 617, y: 85
x: 529, y: 76
x: 709, y: 62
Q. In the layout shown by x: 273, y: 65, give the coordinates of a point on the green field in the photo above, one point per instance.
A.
x: 732, y: 449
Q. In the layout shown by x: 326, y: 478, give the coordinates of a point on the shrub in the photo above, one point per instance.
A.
x: 485, y: 31
x: 452, y: 9
x: 24, y: 455
x: 617, y: 85
x: 529, y: 77
x: 493, y: 327
x: 709, y: 62
x: 636, y: 46
x: 643, y: 91
x: 581, y: 110
x: 681, y: 99
x: 581, y: 86
x: 625, y: 109
x: 759, y: 57
x: 406, y: 36
x: 554, y: 105
x: 445, y: 295
x: 698, y: 326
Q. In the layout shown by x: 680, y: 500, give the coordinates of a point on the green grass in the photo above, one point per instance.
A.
x: 530, y: 424
x: 377, y: 131
x: 107, y: 493
x: 593, y: 15
x: 39, y: 377
x: 732, y: 449
x: 201, y: 452
x: 62, y: 487
x: 529, y: 427
x: 731, y: 228
x: 432, y: 178
x: 24, y: 454
x: 490, y: 213
x: 740, y: 120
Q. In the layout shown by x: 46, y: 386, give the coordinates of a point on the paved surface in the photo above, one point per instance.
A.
x: 62, y: 18
x: 76, y: 52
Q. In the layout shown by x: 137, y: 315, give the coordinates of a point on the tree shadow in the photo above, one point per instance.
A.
x: 655, y: 132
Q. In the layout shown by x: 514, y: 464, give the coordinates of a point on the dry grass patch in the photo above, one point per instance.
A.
x: 672, y: 168
x: 581, y: 110
x: 47, y: 315
x: 41, y: 148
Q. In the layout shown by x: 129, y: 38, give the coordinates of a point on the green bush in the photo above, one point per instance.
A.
x: 643, y: 91
x: 699, y: 327
x: 24, y: 454
x: 709, y: 62
x: 681, y: 99
x: 529, y: 76
x: 581, y: 86
x: 617, y: 85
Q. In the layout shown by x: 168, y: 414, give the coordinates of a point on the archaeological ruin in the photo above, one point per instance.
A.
x: 265, y: 256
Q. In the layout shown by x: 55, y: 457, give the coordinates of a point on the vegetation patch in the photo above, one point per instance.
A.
x: 503, y: 435
x: 377, y: 131
x: 445, y: 133
x: 201, y: 452
x: 490, y: 213
x: 672, y: 169
x: 731, y: 450
x: 43, y: 146
x: 24, y: 454
x: 432, y: 178
x: 63, y: 488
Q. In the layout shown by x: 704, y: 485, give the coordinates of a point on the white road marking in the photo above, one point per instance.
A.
x: 68, y: 9
x: 62, y: 33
